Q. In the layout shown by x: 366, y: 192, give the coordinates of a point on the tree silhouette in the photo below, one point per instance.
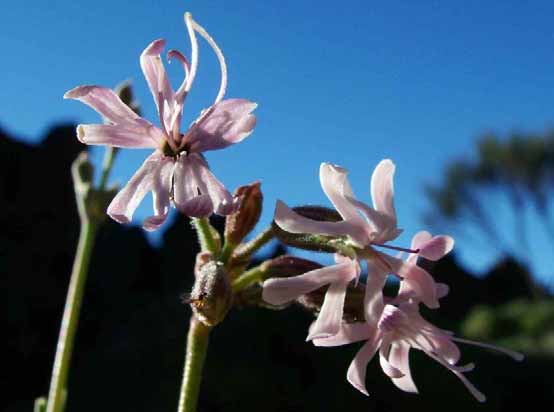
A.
x: 520, y: 169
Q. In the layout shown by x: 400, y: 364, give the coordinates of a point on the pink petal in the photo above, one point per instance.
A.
x: 156, y: 77
x: 420, y: 239
x: 389, y: 370
x: 278, y: 291
x: 436, y: 248
x: 334, y: 181
x: 357, y: 370
x: 222, y: 200
x: 348, y: 333
x: 161, y: 189
x: 120, y: 135
x: 399, y: 358
x: 292, y: 222
x: 329, y: 320
x: 105, y: 102
x: 224, y: 124
x: 382, y: 188
x: 189, y: 194
x: 373, y: 299
x: 123, y: 205
x: 417, y: 279
x: 383, y: 227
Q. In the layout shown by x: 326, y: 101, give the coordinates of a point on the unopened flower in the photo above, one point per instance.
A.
x: 177, y: 170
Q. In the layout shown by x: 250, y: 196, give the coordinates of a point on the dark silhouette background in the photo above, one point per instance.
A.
x: 130, y: 344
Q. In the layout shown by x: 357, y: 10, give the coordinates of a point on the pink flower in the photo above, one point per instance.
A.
x: 400, y: 327
x: 363, y: 228
x: 278, y: 291
x: 177, y: 171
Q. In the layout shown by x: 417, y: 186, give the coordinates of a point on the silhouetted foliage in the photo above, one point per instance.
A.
x: 521, y: 169
x: 130, y: 344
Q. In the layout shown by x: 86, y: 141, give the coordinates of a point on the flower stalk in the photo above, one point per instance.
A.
x: 62, y: 362
x: 197, y: 347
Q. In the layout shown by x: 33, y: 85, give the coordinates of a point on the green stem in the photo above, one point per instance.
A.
x: 205, y: 235
x: 251, y: 247
x: 70, y: 320
x: 226, y: 252
x: 109, y: 156
x: 197, y: 346
x: 248, y: 278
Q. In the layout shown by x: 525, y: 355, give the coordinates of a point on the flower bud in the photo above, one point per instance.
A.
x: 287, y: 266
x: 211, y: 295
x: 125, y: 92
x: 242, y: 221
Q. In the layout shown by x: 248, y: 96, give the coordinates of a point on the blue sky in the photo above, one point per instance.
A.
x: 350, y: 83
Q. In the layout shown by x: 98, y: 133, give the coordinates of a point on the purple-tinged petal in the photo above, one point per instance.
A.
x: 221, y: 125
x: 442, y: 290
x: 105, y: 102
x: 389, y: 370
x: 123, y: 205
x: 436, y: 248
x: 399, y: 358
x: 189, y: 194
x: 156, y: 77
x: 329, y: 320
x: 348, y: 333
x: 382, y: 188
x: 161, y: 188
x: 357, y: 369
x: 278, y: 291
x: 417, y: 279
x: 420, y: 239
x: 445, y: 348
x: 292, y: 222
x: 222, y: 200
x: 120, y: 135
x: 373, y: 298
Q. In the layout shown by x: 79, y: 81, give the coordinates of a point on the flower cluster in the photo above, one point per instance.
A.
x: 392, y: 325
x: 176, y: 172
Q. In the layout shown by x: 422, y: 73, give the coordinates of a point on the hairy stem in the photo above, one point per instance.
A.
x: 70, y: 320
x: 205, y: 236
x: 251, y: 276
x: 197, y: 347
x: 247, y: 250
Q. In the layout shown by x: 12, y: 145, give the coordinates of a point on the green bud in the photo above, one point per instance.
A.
x: 125, y: 92
x: 318, y: 243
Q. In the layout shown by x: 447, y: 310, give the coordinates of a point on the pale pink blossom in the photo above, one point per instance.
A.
x: 401, y: 327
x: 365, y: 228
x: 278, y: 291
x: 176, y: 172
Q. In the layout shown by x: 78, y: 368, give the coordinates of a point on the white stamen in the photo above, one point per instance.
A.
x: 220, y: 57
x: 193, y: 54
x: 515, y: 355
